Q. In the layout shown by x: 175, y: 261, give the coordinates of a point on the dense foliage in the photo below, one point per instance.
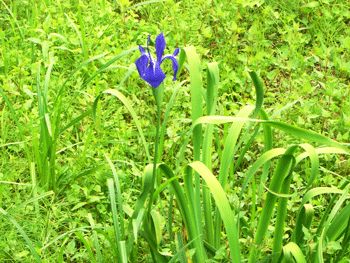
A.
x: 78, y: 132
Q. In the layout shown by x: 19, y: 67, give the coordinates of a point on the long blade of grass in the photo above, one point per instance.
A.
x: 166, y: 117
x: 128, y: 105
x: 147, y: 184
x: 81, y: 38
x: 119, y: 197
x: 267, y: 146
x: 142, y: 3
x: 59, y: 93
x: 321, y: 239
x: 73, y: 122
x: 34, y: 199
x: 211, y: 101
x: 96, y: 243
x: 307, y: 197
x: 19, y: 126
x: 339, y: 224
x: 87, y: 246
x: 23, y: 234
x: 281, y: 171
x: 224, y: 207
x: 292, y: 252
x: 290, y: 129
x: 186, y: 212
x: 85, y: 228
x: 196, y: 87
x: 14, y: 18
x: 281, y: 215
x: 311, y: 152
x: 305, y: 217
x: 226, y: 160
x: 116, y: 226
x: 180, y: 255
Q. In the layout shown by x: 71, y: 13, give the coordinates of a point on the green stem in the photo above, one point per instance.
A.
x: 155, y: 158
x: 158, y: 95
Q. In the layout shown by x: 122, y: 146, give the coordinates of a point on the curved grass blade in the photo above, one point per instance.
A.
x: 35, y: 199
x: 281, y: 214
x: 23, y: 234
x: 196, y: 89
x: 187, y: 214
x: 283, y: 168
x: 147, y: 184
x: 14, y: 18
x: 226, y: 160
x: 321, y: 239
x: 119, y: 197
x: 116, y: 226
x: 128, y: 105
x: 268, y: 146
x: 141, y: 4
x: 339, y: 224
x: 19, y: 127
x: 311, y: 152
x: 305, y: 217
x: 96, y: 243
x: 75, y: 71
x: 213, y: 78
x: 166, y: 117
x: 290, y: 129
x: 223, y: 205
x: 307, y: 197
x: 80, y: 36
x: 293, y: 253
x: 86, y: 245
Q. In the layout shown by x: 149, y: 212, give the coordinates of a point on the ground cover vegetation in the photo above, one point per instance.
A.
x: 243, y: 158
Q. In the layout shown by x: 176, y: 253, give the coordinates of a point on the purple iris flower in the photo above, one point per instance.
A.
x: 149, y: 69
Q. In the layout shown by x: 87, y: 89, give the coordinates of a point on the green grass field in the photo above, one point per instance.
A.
x: 244, y: 158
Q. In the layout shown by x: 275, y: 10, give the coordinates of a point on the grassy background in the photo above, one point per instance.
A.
x: 300, y: 49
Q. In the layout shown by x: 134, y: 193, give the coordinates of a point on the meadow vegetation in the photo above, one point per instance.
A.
x: 252, y: 159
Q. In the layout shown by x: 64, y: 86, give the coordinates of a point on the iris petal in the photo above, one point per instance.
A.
x: 176, y: 52
x: 141, y: 64
x: 160, y: 46
x: 142, y: 50
x: 154, y: 76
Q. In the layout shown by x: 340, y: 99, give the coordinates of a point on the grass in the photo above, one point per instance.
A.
x: 253, y: 139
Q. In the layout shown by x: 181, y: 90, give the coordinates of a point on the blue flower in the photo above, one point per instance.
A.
x: 149, y: 69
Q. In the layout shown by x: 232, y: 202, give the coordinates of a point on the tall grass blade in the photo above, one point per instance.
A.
x: 96, y: 243
x: 137, y: 215
x: 223, y: 205
x: 196, y: 87
x: 281, y: 216
x: 14, y: 18
x: 305, y: 217
x: 186, y: 212
x: 19, y: 126
x: 128, y: 105
x: 116, y: 225
x: 87, y: 246
x: 23, y: 234
x: 119, y: 197
x: 81, y: 39
x: 211, y: 101
x: 283, y: 168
